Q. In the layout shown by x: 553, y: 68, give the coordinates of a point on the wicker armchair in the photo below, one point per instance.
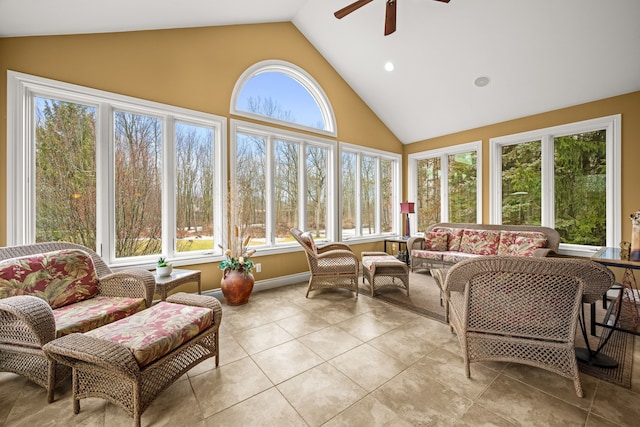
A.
x: 27, y: 322
x: 523, y: 310
x: 332, y: 266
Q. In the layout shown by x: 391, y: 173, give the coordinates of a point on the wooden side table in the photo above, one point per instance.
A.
x: 164, y: 284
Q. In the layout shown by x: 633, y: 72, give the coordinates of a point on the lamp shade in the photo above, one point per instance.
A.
x: 407, y: 207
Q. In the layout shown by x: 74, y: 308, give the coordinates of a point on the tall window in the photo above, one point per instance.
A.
x: 280, y: 180
x: 565, y: 177
x: 129, y: 178
x: 370, y: 192
x: 446, y: 185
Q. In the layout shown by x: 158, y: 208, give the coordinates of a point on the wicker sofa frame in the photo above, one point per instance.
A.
x: 553, y: 241
x: 27, y: 322
x: 522, y: 309
x: 108, y: 370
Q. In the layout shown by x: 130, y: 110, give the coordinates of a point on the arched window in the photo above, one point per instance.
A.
x: 282, y: 93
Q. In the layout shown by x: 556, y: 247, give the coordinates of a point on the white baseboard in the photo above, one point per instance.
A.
x: 262, y: 285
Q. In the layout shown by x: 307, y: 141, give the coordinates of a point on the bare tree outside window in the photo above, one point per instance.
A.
x: 429, y: 200
x: 138, y: 196
x: 317, y: 190
x: 286, y: 188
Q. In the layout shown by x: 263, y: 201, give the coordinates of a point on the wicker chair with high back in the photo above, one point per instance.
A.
x: 28, y: 322
x: 333, y: 265
x: 522, y: 310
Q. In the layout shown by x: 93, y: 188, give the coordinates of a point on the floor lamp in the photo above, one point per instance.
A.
x: 407, y: 208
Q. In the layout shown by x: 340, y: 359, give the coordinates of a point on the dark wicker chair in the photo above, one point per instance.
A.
x: 332, y: 266
x: 522, y: 310
x: 27, y: 323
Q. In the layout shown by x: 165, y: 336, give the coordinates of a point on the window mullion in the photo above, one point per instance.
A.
x: 270, y: 187
x: 444, y: 187
x: 547, y: 182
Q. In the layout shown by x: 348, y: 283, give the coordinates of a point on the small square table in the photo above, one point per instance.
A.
x: 164, y: 284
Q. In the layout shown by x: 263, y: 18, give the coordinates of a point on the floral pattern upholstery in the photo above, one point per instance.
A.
x: 434, y: 255
x: 369, y: 262
x: 93, y: 313
x: 156, y: 331
x: 436, y: 241
x: 454, y: 236
x: 480, y: 242
x: 60, y: 277
x: 307, y: 238
x: 521, y: 243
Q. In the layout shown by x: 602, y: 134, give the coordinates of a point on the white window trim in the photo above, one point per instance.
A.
x: 21, y: 163
x: 359, y: 150
x: 612, y: 125
x: 270, y: 134
x: 302, y: 77
x: 443, y: 154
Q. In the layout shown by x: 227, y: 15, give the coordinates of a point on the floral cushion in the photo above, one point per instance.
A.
x: 90, y: 314
x: 480, y: 242
x: 454, y: 236
x: 156, y: 331
x: 60, y: 277
x: 435, y: 241
x: 307, y: 239
x: 370, y: 261
x: 453, y: 257
x: 528, y: 242
x: 433, y: 255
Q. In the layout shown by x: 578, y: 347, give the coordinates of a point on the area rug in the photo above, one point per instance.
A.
x: 424, y: 299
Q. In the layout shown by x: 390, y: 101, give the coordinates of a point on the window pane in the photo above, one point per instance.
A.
x: 317, y: 191
x: 194, y: 188
x: 386, y: 193
x: 348, y: 195
x: 65, y: 172
x: 286, y: 188
x: 368, y: 195
x: 522, y: 183
x: 248, y: 198
x: 138, y: 195
x: 580, y: 188
x: 429, y: 171
x: 279, y: 96
x: 462, y: 187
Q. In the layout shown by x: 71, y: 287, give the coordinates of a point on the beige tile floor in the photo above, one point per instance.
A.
x: 332, y: 360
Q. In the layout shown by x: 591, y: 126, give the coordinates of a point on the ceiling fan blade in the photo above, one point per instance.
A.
x: 350, y: 8
x: 390, y: 18
x: 443, y: 1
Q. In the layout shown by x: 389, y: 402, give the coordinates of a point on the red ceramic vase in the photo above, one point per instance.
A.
x: 236, y: 286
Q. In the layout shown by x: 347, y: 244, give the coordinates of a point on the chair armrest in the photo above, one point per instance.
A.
x: 544, y: 252
x: 132, y: 283
x: 30, y: 321
x: 339, y: 253
x: 74, y: 348
x: 333, y: 247
x: 415, y: 243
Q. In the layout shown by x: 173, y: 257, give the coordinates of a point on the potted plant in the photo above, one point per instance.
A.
x: 237, y: 280
x: 163, y: 268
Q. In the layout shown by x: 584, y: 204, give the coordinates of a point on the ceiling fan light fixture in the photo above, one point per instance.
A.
x: 481, y: 81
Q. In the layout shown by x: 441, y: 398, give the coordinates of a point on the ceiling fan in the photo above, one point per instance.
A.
x: 390, y: 16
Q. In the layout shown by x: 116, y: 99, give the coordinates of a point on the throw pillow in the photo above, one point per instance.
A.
x: 435, y: 241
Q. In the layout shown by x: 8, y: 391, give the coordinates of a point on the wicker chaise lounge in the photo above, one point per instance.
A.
x: 522, y: 310
x: 130, y: 365
x: 28, y: 322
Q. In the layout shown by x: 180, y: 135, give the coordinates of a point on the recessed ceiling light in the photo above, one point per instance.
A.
x: 481, y: 81
x: 389, y: 66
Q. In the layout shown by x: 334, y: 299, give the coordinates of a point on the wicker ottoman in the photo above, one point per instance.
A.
x: 132, y: 374
x: 383, y: 270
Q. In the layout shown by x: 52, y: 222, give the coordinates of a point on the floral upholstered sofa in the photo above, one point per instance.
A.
x: 445, y: 244
x: 48, y: 290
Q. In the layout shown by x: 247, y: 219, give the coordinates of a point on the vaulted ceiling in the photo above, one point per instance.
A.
x: 538, y: 55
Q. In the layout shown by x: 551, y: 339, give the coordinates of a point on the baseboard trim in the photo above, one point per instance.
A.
x: 262, y: 285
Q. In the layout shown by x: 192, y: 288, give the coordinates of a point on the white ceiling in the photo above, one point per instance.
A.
x: 539, y: 55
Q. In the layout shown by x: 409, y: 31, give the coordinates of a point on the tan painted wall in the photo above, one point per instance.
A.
x: 628, y: 105
x: 193, y: 68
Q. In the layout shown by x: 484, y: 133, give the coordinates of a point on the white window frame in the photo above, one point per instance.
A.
x: 299, y: 75
x: 270, y: 135
x: 443, y: 154
x: 379, y: 155
x: 612, y: 125
x: 21, y: 88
